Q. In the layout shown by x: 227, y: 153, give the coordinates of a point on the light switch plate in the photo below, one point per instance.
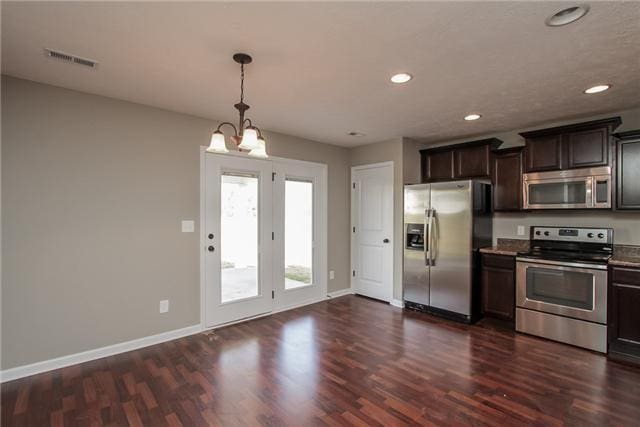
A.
x: 332, y: 274
x: 521, y: 230
x: 164, y: 306
x: 188, y: 226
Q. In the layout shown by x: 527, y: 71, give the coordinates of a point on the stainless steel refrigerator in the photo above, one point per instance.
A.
x: 444, y: 226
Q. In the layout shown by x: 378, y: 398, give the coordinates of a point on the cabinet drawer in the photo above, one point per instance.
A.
x: 626, y: 276
x: 499, y: 261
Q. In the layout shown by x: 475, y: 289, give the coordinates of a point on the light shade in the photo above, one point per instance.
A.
x: 217, y: 143
x: 260, y: 150
x: 249, y: 139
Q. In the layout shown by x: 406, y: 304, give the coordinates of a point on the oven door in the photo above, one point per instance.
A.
x: 558, y: 193
x: 567, y: 289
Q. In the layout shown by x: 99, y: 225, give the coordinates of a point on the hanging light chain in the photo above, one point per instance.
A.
x: 241, y: 83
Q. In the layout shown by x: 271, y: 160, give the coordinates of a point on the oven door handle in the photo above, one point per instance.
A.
x: 563, y: 263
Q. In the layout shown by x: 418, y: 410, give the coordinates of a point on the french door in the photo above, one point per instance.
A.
x: 264, y: 236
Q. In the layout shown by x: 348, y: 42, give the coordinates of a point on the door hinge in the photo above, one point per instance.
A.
x: 354, y: 229
x: 353, y: 185
x: 353, y: 273
x: 273, y: 176
x: 273, y: 236
x: 273, y: 294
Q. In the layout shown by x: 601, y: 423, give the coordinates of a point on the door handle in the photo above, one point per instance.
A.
x: 385, y: 241
x: 426, y: 238
x: 432, y: 258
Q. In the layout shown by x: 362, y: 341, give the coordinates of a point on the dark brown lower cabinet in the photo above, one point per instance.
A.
x: 498, y: 283
x: 623, y: 312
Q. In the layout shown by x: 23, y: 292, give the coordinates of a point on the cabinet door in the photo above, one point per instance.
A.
x: 628, y: 196
x: 472, y: 162
x: 588, y: 148
x: 438, y: 166
x: 507, y: 180
x: 543, y: 153
x: 624, y: 313
x: 498, y: 286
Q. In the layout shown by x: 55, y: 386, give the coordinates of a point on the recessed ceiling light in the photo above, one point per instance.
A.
x: 471, y: 117
x: 353, y: 133
x: 597, y: 89
x: 567, y: 16
x: 401, y: 78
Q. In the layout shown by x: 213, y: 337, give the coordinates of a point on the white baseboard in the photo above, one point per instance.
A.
x: 98, y: 353
x: 339, y: 293
x: 397, y: 303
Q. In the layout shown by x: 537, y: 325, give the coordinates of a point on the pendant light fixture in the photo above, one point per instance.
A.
x: 246, y: 136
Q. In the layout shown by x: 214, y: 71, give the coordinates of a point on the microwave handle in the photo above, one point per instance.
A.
x: 590, y: 189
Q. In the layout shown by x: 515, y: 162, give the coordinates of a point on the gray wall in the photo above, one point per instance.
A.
x: 93, y: 191
x: 383, y: 152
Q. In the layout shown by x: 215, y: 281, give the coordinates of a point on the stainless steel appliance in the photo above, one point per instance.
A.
x: 444, y: 225
x: 561, y: 285
x: 568, y: 189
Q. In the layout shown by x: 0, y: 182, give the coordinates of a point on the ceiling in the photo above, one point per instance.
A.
x: 322, y: 69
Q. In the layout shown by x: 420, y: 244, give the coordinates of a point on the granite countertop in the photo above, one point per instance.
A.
x: 509, y: 247
x: 626, y: 256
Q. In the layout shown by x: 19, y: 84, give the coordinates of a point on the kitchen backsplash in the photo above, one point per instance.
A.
x: 626, y: 225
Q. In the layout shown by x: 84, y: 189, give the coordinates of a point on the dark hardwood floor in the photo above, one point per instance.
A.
x: 348, y: 360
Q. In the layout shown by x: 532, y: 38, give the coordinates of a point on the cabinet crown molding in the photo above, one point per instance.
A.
x: 629, y: 134
x: 493, y: 142
x: 612, y: 122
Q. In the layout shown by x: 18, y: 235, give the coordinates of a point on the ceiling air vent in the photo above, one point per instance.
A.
x: 56, y: 54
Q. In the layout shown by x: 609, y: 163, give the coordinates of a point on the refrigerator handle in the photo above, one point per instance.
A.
x: 432, y: 243
x: 428, y: 213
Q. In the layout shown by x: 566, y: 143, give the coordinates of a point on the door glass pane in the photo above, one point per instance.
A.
x: 298, y: 234
x: 239, y: 237
x: 558, y: 192
x: 567, y: 288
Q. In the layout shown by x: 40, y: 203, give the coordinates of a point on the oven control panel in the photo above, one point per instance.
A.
x: 573, y: 234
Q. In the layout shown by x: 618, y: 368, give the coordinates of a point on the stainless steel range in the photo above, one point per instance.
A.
x: 561, y: 285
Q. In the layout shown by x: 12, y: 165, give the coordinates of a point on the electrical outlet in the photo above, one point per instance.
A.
x: 188, y: 226
x: 521, y: 230
x: 332, y: 274
x: 164, y: 306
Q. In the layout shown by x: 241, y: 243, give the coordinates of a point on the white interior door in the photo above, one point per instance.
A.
x: 238, y: 225
x: 299, y: 233
x: 372, y: 230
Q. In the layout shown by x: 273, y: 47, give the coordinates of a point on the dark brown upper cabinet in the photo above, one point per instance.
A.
x: 543, y: 153
x: 587, y: 149
x: 580, y: 145
x: 461, y: 161
x: 628, y: 170
x: 471, y: 162
x: 507, y: 179
x: 437, y: 166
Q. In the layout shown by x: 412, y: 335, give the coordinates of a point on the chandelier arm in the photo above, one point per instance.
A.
x: 235, y: 130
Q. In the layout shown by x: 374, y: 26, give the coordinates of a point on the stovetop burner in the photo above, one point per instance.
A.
x: 586, y: 245
x: 569, y: 256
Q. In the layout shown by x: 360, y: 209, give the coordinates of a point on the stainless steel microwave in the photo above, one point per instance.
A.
x: 568, y: 189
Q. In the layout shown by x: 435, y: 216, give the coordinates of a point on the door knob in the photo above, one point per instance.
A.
x: 385, y: 241
x: 211, y: 249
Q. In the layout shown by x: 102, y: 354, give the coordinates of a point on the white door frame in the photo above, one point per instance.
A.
x: 354, y: 254
x: 322, y: 220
